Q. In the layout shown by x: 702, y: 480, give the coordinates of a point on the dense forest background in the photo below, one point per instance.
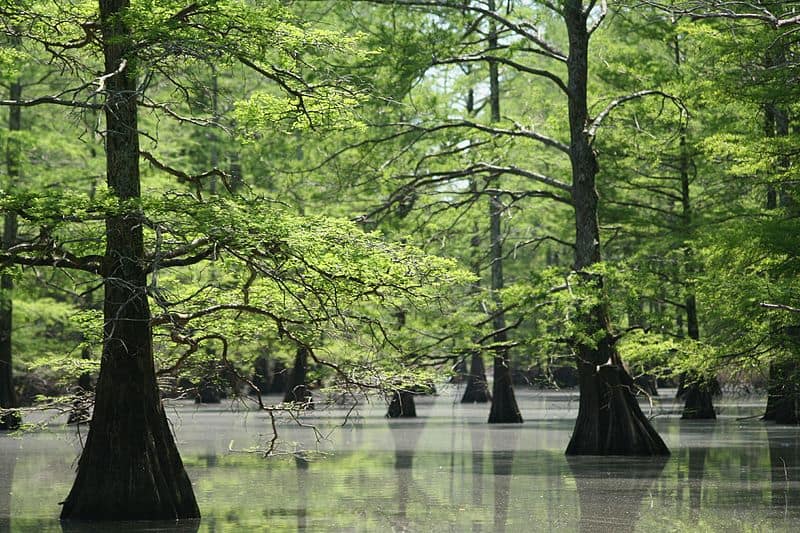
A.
x: 382, y: 194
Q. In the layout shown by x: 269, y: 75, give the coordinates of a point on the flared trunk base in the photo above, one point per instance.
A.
x: 610, y: 421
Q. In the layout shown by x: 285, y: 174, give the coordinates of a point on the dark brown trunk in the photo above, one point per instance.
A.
x: 402, y: 405
x: 610, y: 421
x: 298, y: 391
x: 130, y: 468
x: 80, y: 412
x: 280, y: 381
x: 504, y: 404
x: 698, y: 391
x: 699, y: 401
x: 783, y: 399
x: 261, y: 378
x: 477, y: 390
x: 504, y: 408
x: 8, y: 397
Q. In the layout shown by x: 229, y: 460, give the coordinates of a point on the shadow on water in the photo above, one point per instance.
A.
x: 611, y: 489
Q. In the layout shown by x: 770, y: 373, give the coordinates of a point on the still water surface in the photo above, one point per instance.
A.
x: 444, y: 471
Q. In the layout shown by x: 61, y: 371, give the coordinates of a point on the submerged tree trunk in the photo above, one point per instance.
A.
x: 504, y: 403
x: 610, y: 421
x: 402, y: 405
x: 477, y: 390
x: 261, y: 378
x: 698, y: 393
x: 783, y: 400
x: 298, y: 391
x: 280, y: 379
x: 130, y: 468
x: 8, y: 397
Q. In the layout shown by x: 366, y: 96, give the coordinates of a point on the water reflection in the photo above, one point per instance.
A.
x: 161, y: 526
x: 784, y: 458
x: 611, y: 490
x: 696, y: 455
x: 8, y: 459
x: 477, y: 439
x: 405, y: 436
x: 502, y: 463
x: 301, y: 463
x: 445, y: 471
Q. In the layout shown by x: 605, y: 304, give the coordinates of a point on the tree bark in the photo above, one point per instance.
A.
x: 698, y: 391
x: 8, y: 397
x: 504, y: 403
x: 280, y: 380
x: 610, y: 421
x: 298, y: 389
x: 402, y: 405
x: 477, y: 390
x: 130, y: 468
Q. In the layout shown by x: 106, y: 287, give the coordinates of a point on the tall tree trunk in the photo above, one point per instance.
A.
x: 130, y: 468
x: 8, y: 397
x: 504, y: 403
x: 698, y: 391
x: 610, y: 421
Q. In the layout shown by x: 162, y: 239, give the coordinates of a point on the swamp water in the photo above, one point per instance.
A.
x: 445, y: 471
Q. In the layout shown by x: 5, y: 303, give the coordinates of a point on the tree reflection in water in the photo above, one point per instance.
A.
x: 695, y: 457
x: 611, y: 489
x: 9, y: 448
x: 784, y: 458
x: 504, y: 442
x: 405, y: 435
